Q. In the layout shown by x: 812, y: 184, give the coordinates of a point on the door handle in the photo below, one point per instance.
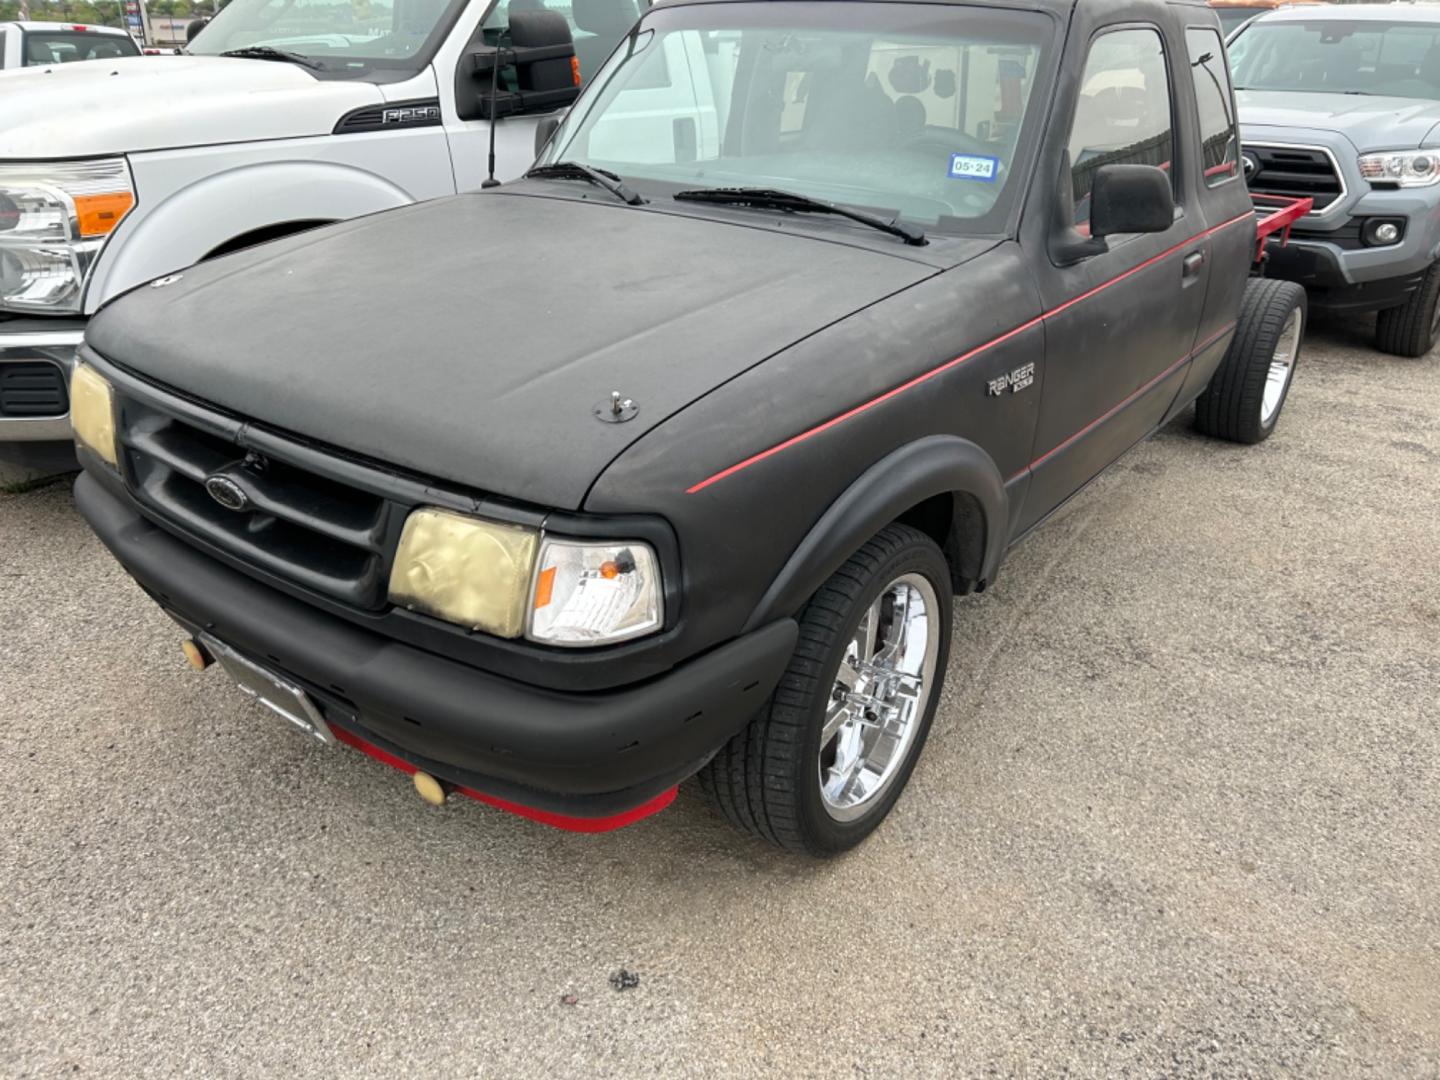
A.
x: 1192, y: 264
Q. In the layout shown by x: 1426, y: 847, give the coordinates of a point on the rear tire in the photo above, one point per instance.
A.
x: 784, y: 778
x: 1411, y: 329
x: 1248, y: 390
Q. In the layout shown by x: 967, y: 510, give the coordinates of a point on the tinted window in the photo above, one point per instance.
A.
x: 64, y: 46
x: 1212, y: 99
x: 1123, y: 115
x: 1331, y: 55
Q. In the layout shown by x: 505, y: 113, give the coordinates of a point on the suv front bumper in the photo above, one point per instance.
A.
x: 577, y: 755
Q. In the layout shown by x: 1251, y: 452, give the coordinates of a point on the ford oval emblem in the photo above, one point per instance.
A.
x: 227, y: 493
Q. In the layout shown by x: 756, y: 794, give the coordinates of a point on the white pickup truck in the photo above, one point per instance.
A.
x: 283, y: 115
x: 31, y: 44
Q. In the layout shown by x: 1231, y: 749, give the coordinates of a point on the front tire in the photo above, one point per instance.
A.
x: 1411, y: 329
x: 1248, y: 390
x: 827, y: 758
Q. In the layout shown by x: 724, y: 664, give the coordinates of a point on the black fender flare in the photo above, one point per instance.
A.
x: 934, y: 465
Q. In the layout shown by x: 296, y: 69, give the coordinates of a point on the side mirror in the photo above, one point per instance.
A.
x: 544, y: 132
x: 539, y: 47
x: 1130, y: 199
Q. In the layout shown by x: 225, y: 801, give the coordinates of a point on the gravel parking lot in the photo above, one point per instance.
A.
x: 1180, y: 815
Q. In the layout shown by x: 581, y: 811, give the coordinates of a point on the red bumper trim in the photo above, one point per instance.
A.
x: 567, y: 822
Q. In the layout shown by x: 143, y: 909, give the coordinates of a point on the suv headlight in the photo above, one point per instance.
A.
x: 508, y: 580
x: 54, y: 219
x: 1406, y: 168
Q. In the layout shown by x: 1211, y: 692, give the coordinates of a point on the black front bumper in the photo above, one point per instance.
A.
x: 578, y: 754
x: 1318, y: 269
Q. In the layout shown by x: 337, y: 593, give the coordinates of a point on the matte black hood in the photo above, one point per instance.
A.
x: 470, y: 338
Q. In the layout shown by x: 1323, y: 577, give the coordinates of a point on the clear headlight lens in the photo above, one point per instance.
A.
x: 54, y: 219
x: 595, y: 593
x: 92, y: 412
x: 1407, y: 168
x: 465, y: 570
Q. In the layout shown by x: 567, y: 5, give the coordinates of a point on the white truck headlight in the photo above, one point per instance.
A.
x: 595, y: 593
x: 1405, y: 168
x: 92, y: 412
x: 54, y: 219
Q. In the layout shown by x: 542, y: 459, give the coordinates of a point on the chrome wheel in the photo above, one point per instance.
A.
x: 1282, y: 366
x: 878, y: 701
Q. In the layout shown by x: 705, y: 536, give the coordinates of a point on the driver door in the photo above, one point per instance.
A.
x: 1120, y: 323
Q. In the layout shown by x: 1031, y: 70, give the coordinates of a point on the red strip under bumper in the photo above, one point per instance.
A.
x: 559, y: 821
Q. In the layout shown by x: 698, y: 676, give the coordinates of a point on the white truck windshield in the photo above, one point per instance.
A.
x: 355, y: 32
x: 902, y: 109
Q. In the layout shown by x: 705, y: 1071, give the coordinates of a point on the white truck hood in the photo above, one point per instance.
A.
x: 158, y: 102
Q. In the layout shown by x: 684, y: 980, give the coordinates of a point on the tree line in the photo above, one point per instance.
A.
x: 102, y: 12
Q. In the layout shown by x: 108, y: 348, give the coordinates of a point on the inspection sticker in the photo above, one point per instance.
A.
x: 974, y: 167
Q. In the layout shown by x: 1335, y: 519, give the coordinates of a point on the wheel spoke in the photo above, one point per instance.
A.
x: 836, y: 717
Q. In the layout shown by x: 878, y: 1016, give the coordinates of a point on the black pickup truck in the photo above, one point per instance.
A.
x: 671, y: 457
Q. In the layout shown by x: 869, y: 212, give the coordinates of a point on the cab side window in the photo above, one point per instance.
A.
x: 1219, y: 143
x: 1123, y: 115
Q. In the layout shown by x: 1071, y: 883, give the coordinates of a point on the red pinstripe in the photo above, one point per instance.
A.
x: 956, y: 362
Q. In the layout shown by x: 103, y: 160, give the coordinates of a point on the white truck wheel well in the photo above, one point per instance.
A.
x: 218, y: 212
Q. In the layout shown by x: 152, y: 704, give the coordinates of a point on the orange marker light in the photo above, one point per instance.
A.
x: 545, y: 587
x: 99, y: 214
x: 575, y: 69
x: 609, y: 570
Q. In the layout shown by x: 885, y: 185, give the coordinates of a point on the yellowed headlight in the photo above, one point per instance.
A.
x: 92, y: 411
x: 465, y: 570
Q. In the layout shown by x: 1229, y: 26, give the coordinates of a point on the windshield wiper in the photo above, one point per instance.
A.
x: 573, y: 170
x: 772, y: 199
x: 269, y: 52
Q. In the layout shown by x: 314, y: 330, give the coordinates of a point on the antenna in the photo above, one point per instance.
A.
x: 490, y: 180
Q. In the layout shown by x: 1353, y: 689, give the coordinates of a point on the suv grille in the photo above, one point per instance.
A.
x: 1292, y: 171
x: 31, y: 390
x: 314, y: 530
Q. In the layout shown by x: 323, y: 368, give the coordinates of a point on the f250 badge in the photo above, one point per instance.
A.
x: 413, y: 114
x: 1015, y: 381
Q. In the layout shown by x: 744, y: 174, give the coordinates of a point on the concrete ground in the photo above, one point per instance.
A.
x: 1179, y: 816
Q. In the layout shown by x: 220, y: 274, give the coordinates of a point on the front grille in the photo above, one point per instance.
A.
x: 1295, y: 172
x: 32, y: 390
x: 311, y: 529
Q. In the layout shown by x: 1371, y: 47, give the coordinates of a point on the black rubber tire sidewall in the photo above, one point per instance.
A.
x: 1231, y: 406
x: 1407, y: 330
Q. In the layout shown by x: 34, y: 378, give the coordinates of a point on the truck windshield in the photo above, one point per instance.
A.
x: 1335, y: 56
x: 914, y: 110
x: 343, y: 36
x: 63, y: 46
